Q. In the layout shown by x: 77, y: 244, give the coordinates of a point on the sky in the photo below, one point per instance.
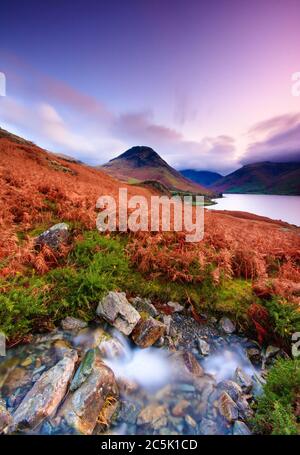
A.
x: 207, y: 84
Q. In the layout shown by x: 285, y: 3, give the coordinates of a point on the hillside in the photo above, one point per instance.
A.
x: 262, y: 178
x: 143, y: 163
x: 205, y: 178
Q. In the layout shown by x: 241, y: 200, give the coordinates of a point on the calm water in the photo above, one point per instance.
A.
x: 285, y: 208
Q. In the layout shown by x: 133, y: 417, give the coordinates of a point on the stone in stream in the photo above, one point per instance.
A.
x: 70, y: 324
x: 144, y: 305
x: 208, y: 427
x: 116, y: 310
x: 232, y: 388
x: 153, y: 416
x: 94, y: 390
x: 46, y: 394
x: 227, y: 408
x: 186, y: 367
x: 240, y: 429
x: 147, y: 332
x: 179, y: 410
x: 227, y: 325
x: 167, y: 320
x: 243, y: 379
x: 203, y: 347
x: 5, y: 417
x: 53, y: 237
x: 254, y: 354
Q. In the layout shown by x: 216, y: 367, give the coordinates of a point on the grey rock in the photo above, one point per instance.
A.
x: 243, y: 379
x: 116, y: 310
x: 240, y: 429
x: 70, y: 324
x: 203, y: 346
x: 227, y: 407
x: 176, y: 307
x: 167, y: 320
x: 227, y: 325
x: 144, y: 305
x: 53, y: 237
x: 230, y: 387
x: 208, y: 427
x: 46, y: 394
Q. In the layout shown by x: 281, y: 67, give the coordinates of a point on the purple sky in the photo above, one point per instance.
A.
x: 206, y: 84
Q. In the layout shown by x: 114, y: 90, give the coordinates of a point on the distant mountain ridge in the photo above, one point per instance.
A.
x: 205, y: 178
x: 262, y: 178
x: 141, y: 163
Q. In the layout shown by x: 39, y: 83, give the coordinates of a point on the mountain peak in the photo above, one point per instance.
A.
x: 141, y: 155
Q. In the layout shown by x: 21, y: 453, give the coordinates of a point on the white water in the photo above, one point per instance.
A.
x: 285, y: 208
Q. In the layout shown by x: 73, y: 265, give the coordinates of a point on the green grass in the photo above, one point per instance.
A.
x: 276, y: 408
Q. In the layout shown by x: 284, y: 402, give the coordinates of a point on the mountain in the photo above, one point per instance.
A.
x: 205, y: 178
x: 262, y: 178
x: 142, y: 163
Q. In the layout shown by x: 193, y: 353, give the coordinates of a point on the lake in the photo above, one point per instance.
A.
x: 285, y: 208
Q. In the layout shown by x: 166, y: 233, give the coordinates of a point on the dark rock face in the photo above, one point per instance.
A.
x: 53, y: 237
x: 147, y: 332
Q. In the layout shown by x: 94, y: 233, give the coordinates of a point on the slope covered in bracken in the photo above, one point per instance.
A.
x: 37, y: 189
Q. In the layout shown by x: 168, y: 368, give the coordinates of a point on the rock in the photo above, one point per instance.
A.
x: 144, y: 305
x: 203, y: 347
x: 82, y: 407
x: 245, y: 412
x: 70, y: 324
x: 127, y: 386
x: 190, y: 421
x: 208, y: 427
x: 167, y: 319
x: 227, y: 325
x: 116, y: 310
x: 128, y: 412
x: 84, y: 370
x: 5, y: 417
x: 53, y: 237
x: 240, y: 429
x: 176, y: 307
x: 147, y: 332
x: 186, y: 367
x: 243, y: 379
x: 254, y: 355
x: 154, y: 416
x: 180, y: 408
x: 46, y: 394
x: 230, y: 387
x: 227, y: 407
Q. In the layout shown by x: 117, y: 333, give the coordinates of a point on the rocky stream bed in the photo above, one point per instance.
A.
x: 137, y: 369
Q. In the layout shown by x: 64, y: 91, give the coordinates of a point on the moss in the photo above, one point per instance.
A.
x: 277, y: 407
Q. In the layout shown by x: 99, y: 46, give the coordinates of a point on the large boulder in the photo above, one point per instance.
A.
x: 92, y: 391
x: 48, y: 391
x: 53, y: 237
x: 116, y: 310
x: 147, y: 332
